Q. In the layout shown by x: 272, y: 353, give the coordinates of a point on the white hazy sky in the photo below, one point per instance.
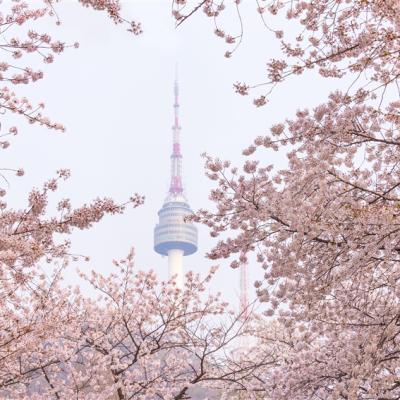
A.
x: 115, y: 96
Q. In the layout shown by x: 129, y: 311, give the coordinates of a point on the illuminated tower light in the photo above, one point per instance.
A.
x: 173, y: 237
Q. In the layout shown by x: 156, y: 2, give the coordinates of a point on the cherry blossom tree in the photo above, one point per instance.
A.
x: 139, y: 339
x: 33, y: 306
x: 33, y: 248
x: 18, y: 43
x: 324, y: 229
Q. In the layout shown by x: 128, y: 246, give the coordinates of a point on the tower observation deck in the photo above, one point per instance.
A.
x: 173, y: 237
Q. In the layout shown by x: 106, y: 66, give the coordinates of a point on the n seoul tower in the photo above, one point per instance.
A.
x: 173, y: 237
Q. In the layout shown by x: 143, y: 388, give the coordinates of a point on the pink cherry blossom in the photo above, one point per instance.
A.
x: 324, y: 229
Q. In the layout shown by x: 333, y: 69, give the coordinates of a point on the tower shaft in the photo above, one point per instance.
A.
x: 175, y: 266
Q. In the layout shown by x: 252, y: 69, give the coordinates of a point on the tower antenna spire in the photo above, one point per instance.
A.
x: 176, y: 93
x: 176, y: 186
